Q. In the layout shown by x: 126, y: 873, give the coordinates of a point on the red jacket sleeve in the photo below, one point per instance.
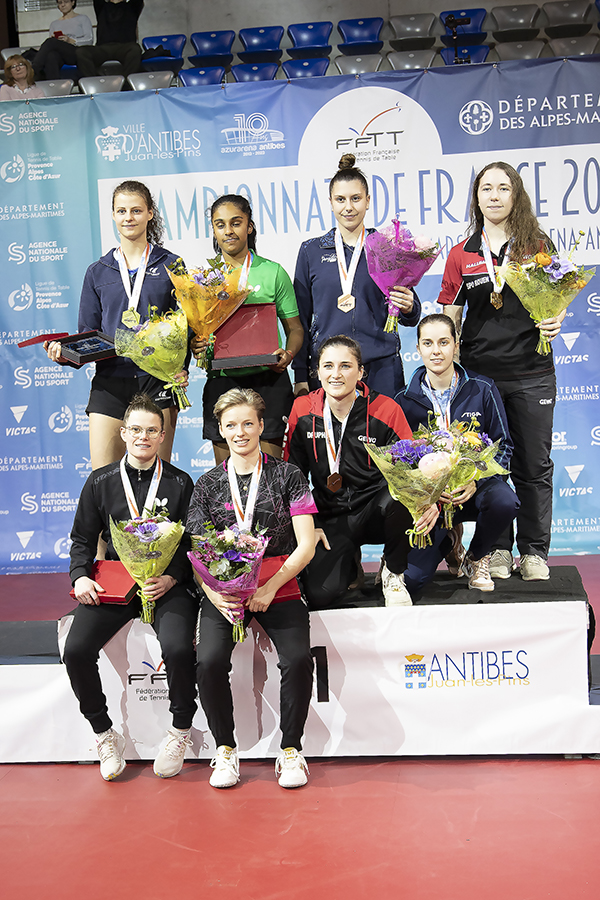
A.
x: 452, y: 281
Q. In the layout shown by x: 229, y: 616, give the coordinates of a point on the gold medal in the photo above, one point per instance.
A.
x: 334, y: 482
x: 346, y: 302
x: 496, y: 299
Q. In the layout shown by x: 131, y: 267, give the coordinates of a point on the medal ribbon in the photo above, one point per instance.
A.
x: 495, y: 278
x: 347, y: 275
x: 244, y: 518
x: 152, y: 490
x: 442, y: 415
x: 333, y: 457
x: 132, y: 296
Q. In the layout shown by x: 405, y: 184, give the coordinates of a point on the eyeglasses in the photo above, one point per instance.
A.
x: 136, y: 431
x: 17, y: 66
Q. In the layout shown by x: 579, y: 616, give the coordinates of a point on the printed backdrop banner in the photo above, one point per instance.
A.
x: 419, y: 136
x: 405, y: 682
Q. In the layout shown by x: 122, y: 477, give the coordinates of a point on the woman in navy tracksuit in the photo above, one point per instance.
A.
x: 444, y: 388
x: 329, y: 305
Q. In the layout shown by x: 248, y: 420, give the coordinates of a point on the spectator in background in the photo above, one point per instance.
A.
x: 65, y: 35
x: 116, y: 37
x: 19, y: 80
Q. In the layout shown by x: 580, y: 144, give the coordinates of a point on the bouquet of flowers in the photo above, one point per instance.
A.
x: 146, y: 545
x: 473, y: 452
x: 207, y: 296
x: 394, y: 256
x: 158, y: 346
x: 229, y: 562
x: 417, y: 472
x: 546, y: 285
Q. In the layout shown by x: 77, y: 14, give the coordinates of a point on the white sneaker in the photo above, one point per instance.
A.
x: 170, y: 759
x: 502, y: 564
x: 291, y: 768
x: 478, y: 573
x: 533, y: 568
x: 226, y: 767
x: 110, y: 747
x: 394, y: 589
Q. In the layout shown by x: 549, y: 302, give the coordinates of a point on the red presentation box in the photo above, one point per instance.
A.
x: 118, y: 584
x: 248, y: 338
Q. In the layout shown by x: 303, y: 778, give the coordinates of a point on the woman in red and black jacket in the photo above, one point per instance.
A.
x: 326, y: 437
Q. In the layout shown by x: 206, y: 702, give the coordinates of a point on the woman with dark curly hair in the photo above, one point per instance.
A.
x: 499, y: 340
x: 19, y: 80
x: 132, y: 275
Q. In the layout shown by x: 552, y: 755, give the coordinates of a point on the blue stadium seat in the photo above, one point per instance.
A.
x: 69, y: 72
x: 261, y: 45
x: 213, y: 48
x: 195, y: 77
x: 516, y: 23
x: 311, y: 39
x: 568, y: 18
x: 470, y: 54
x: 360, y: 36
x: 472, y: 33
x: 305, y: 68
x: 172, y: 42
x: 254, y: 71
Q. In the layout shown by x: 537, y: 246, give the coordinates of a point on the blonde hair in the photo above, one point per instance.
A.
x: 239, y: 397
x: 9, y: 77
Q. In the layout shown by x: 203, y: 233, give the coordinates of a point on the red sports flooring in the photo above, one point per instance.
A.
x: 429, y: 829
x: 465, y: 829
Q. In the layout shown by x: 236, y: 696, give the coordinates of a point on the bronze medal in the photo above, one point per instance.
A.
x: 346, y: 302
x: 496, y: 299
x: 334, y: 482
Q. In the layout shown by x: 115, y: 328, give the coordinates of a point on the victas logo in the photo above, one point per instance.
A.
x: 16, y: 253
x: 569, y: 340
x: 29, y: 503
x: 23, y: 555
x: 473, y: 668
x: 595, y: 435
x: 61, y: 420
x: 476, y: 117
x: 7, y: 124
x: 112, y: 144
x: 21, y: 299
x: 593, y: 302
x: 22, y: 377
x: 13, y: 169
x: 18, y: 429
x: 574, y: 472
x: 379, y: 136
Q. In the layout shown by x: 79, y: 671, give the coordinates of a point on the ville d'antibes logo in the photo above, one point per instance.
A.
x: 470, y: 668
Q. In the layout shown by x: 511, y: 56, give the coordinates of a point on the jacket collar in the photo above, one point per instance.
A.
x: 327, y: 241
x: 415, y: 392
x: 317, y: 398
x: 156, y: 255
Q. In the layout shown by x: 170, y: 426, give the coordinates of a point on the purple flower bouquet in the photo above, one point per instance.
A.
x: 229, y: 562
x: 395, y: 257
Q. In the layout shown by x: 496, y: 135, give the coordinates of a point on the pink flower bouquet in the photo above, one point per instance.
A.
x: 395, y: 257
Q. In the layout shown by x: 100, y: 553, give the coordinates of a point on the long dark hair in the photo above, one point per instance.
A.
x: 521, y: 227
x: 156, y: 226
x: 347, y: 171
x: 243, y: 204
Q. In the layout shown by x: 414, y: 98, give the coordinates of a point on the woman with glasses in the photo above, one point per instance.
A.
x: 19, y: 81
x: 64, y: 35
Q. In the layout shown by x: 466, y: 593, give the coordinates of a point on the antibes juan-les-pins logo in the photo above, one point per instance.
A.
x: 467, y: 669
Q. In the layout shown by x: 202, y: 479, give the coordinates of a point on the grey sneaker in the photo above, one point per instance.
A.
x: 502, y: 564
x: 170, y: 759
x: 226, y: 767
x: 291, y: 768
x: 478, y: 573
x: 394, y: 589
x: 110, y: 747
x: 533, y: 568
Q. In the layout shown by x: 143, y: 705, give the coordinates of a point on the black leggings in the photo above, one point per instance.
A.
x: 52, y: 56
x: 93, y: 626
x: 380, y: 521
x: 288, y: 627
